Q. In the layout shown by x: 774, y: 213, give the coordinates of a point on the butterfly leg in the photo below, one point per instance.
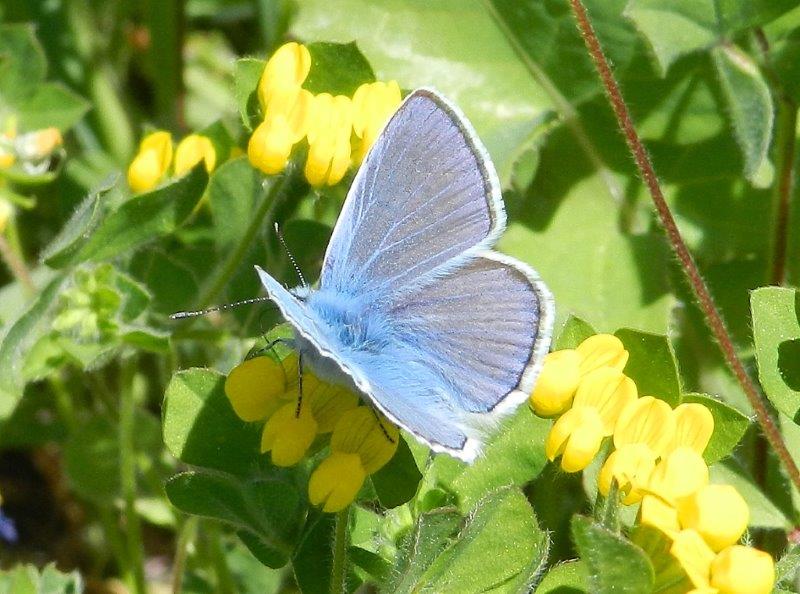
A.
x: 299, y: 384
x: 270, y: 346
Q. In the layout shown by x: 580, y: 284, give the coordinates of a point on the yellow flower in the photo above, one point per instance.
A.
x: 602, y: 350
x: 656, y: 512
x: 37, y: 145
x: 255, y: 386
x: 608, y: 391
x: 151, y: 162
x: 283, y: 75
x: 362, y: 431
x: 327, y: 402
x: 288, y: 435
x: 191, y: 150
x: 694, y: 555
x: 743, y: 570
x: 694, y: 425
x: 717, y: 512
x: 557, y: 383
x: 270, y: 145
x: 679, y: 474
x: 648, y: 421
x: 329, y: 129
x: 336, y: 481
x: 630, y: 466
x: 7, y: 158
x: 373, y: 104
x: 576, y: 437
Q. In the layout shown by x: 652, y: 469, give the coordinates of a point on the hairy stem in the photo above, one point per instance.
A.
x: 782, y: 191
x: 699, y: 287
x: 185, y: 536
x: 339, y: 568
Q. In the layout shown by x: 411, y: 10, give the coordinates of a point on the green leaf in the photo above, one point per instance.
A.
x: 51, y: 105
x: 652, y: 365
x: 750, y: 109
x: 337, y: 68
x: 200, y: 427
x: 246, y: 76
x: 145, y: 218
x: 307, y: 241
x: 776, y: 330
x: 313, y: 559
x: 22, y: 63
x: 266, y: 512
x: 729, y: 427
x: 573, y: 332
x: 787, y: 569
x: 503, y: 523
x: 674, y: 28
x: 20, y: 337
x: 615, y: 564
x: 398, y: 481
x: 514, y: 456
x: 418, y: 45
x: 571, y: 577
x: 27, y: 579
x: 233, y: 195
x: 80, y: 226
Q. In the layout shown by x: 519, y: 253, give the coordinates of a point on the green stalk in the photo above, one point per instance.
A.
x: 288, y: 185
x: 186, y: 535
x: 127, y: 471
x: 225, y: 582
x: 339, y: 567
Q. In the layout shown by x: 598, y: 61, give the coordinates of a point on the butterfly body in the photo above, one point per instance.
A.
x: 413, y: 309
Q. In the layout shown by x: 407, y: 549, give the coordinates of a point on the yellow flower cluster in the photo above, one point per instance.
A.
x: 152, y: 163
x: 657, y: 461
x: 339, y: 129
x: 361, y: 442
x: 32, y: 149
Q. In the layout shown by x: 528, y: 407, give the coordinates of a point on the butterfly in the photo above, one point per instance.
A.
x: 441, y: 334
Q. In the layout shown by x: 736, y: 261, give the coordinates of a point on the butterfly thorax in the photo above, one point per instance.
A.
x: 347, y: 321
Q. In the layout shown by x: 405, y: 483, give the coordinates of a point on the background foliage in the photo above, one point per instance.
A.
x: 88, y: 351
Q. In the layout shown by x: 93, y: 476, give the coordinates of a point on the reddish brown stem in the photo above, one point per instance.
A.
x: 699, y: 287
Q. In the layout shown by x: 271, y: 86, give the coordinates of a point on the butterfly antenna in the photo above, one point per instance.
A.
x: 291, y: 257
x: 182, y: 315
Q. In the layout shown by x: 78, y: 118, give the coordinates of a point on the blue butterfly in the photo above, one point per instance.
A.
x: 442, y: 335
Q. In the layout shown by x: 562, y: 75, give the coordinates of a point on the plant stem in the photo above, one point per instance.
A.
x: 699, y: 287
x: 280, y: 189
x: 187, y: 533
x: 782, y: 190
x: 339, y: 567
x: 225, y: 583
x: 17, y: 267
x: 127, y: 471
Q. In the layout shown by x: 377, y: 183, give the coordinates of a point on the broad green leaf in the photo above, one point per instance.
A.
x: 28, y: 579
x: 307, y: 240
x: 669, y: 574
x: 674, y: 28
x: 398, y: 481
x: 514, y: 456
x: 337, y: 68
x: 266, y: 512
x: 729, y: 427
x: 749, y: 106
x: 787, y: 569
x: 615, y: 564
x: 503, y: 523
x: 652, y: 365
x: 573, y: 332
x: 200, y: 427
x: 246, y: 77
x: 313, y: 559
x: 51, y: 105
x: 20, y: 337
x: 608, y: 279
x: 234, y: 192
x: 545, y: 36
x: 776, y: 331
x: 418, y: 44
x: 763, y: 512
x: 566, y: 578
x: 22, y: 63
x: 144, y: 218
